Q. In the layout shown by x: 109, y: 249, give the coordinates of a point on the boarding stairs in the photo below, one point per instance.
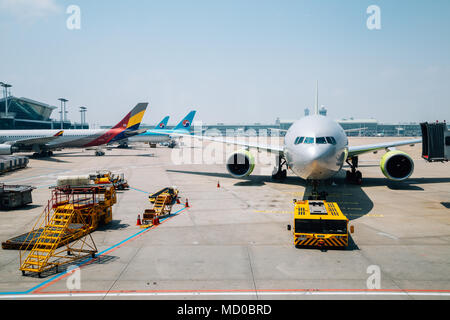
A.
x: 63, y: 237
x: 160, y: 204
x: 162, y: 207
x: 44, y: 248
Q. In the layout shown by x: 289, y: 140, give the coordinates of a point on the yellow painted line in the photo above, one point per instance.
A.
x: 273, y: 211
x: 370, y: 215
x: 295, y: 193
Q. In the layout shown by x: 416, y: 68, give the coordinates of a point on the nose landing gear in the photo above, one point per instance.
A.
x: 315, y: 194
x: 354, y: 176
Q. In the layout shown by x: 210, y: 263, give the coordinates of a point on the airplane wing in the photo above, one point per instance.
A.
x: 355, y: 151
x: 355, y: 130
x: 35, y: 141
x: 280, y: 130
x: 128, y: 134
x: 269, y: 148
x: 347, y: 130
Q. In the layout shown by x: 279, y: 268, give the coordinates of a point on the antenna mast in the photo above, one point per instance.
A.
x: 316, y: 108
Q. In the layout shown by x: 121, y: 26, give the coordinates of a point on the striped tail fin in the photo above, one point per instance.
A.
x: 132, y: 120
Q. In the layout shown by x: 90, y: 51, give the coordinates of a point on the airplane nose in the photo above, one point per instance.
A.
x: 315, y: 162
x: 319, y: 153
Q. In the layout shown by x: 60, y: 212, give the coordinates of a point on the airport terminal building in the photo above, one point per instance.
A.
x: 368, y: 128
x: 23, y: 114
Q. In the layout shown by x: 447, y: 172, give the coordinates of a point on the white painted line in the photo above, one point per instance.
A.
x: 249, y: 293
x: 388, y: 235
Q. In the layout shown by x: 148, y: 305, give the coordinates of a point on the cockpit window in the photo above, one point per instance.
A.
x: 321, y: 140
x: 299, y: 140
x: 331, y: 140
x: 309, y: 140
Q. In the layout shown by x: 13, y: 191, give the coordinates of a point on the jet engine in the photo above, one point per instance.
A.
x: 397, y: 165
x: 6, y: 150
x: 241, y: 164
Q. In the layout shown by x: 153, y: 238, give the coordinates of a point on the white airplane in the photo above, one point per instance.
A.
x: 42, y: 142
x: 316, y: 148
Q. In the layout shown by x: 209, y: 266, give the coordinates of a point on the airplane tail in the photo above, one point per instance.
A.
x: 132, y: 120
x: 163, y: 123
x: 186, y: 123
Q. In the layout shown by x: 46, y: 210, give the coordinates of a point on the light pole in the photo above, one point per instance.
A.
x: 83, y: 116
x: 63, y: 111
x: 5, y: 87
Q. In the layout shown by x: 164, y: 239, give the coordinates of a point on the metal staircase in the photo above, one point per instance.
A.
x: 162, y: 206
x: 63, y: 235
x: 47, y: 243
x: 160, y: 203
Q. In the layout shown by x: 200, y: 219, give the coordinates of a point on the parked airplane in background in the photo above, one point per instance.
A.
x: 156, y: 135
x: 161, y: 126
x: 316, y: 148
x: 43, y: 142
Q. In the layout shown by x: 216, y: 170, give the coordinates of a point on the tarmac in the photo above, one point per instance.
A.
x: 232, y: 241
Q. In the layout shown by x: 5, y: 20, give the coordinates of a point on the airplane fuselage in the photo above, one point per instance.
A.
x: 69, y: 138
x: 156, y: 136
x: 150, y: 137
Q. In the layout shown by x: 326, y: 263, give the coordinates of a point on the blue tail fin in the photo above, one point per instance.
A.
x: 186, y: 123
x: 163, y: 123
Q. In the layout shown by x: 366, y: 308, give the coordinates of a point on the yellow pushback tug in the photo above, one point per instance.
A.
x: 319, y: 224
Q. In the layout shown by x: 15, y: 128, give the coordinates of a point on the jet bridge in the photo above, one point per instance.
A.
x: 436, y: 141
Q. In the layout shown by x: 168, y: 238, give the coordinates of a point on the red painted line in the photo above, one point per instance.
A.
x: 251, y: 290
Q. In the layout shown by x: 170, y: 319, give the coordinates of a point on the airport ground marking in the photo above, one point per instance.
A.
x: 104, y: 252
x: 139, y: 190
x: 268, y: 292
x: 38, y: 289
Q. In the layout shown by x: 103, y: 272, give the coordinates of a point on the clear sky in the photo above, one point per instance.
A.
x: 234, y: 61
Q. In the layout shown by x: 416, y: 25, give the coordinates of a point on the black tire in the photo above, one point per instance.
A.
x: 358, y: 178
x: 348, y: 176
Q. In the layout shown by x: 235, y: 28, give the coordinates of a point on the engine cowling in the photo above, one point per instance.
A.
x: 241, y: 164
x: 397, y: 165
x: 6, y: 150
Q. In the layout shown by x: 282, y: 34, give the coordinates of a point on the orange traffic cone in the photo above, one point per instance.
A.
x: 187, y: 203
x: 178, y: 201
x: 218, y: 184
x: 138, y: 223
x: 155, y: 221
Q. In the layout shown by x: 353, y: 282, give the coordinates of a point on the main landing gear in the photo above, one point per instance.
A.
x: 172, y: 144
x: 123, y: 145
x: 43, y: 154
x: 354, y: 176
x: 279, y: 173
